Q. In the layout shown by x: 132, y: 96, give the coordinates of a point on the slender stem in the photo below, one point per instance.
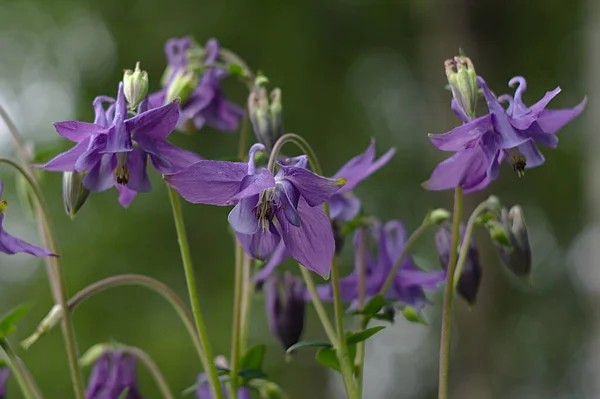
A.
x: 186, y: 258
x: 405, y: 251
x: 448, y: 294
x: 248, y: 291
x: 152, y: 367
x: 35, y: 389
x: 362, y: 324
x: 236, y: 325
x: 20, y: 144
x: 243, y: 138
x: 56, y: 277
x: 318, y: 304
x: 464, y: 249
x: 15, y: 366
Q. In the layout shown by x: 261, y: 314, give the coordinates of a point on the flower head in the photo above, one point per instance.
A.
x: 517, y: 256
x: 4, y: 375
x: 113, y: 373
x: 12, y: 245
x: 285, y: 309
x: 114, y: 150
x: 268, y: 208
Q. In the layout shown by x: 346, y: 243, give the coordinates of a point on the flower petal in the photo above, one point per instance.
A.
x: 550, y: 121
x: 78, y: 131
x: 523, y: 120
x: 92, y: 154
x: 464, y: 136
x: 533, y: 156
x: 314, y: 188
x: 344, y: 207
x: 138, y: 177
x: 209, y: 182
x: 312, y: 244
x: 157, y: 123
x: 242, y: 217
x: 279, y: 255
x: 222, y: 114
x: 260, y: 245
x: 101, y: 177
x: 126, y: 195
x: 421, y: 278
x: 66, y: 161
x: 288, y: 198
x: 12, y: 245
x: 165, y: 157
x: 467, y: 168
x: 254, y: 184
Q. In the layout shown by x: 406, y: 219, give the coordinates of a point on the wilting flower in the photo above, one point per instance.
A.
x: 12, y: 245
x: 517, y: 256
x: 268, y: 208
x: 4, y: 375
x: 202, y: 100
x: 470, y: 277
x: 113, y: 373
x: 285, y: 309
x: 409, y: 283
x: 114, y: 149
x: 482, y: 143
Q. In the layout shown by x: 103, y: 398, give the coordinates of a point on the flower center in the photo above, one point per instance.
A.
x: 265, y: 208
x: 518, y: 161
x: 122, y: 171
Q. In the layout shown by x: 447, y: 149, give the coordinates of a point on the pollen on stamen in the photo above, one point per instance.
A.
x: 518, y: 161
x: 3, y: 206
x: 122, y: 174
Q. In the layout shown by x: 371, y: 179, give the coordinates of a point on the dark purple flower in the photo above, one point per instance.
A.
x: 112, y: 374
x: 284, y: 297
x: 114, y: 149
x: 204, y: 392
x: 12, y: 245
x: 4, y: 375
x: 409, y: 283
x: 268, y: 208
x: 203, y: 102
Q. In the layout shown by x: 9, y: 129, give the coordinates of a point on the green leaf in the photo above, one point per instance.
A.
x: 413, y: 315
x: 236, y: 70
x: 124, y: 393
x: 8, y: 321
x: 306, y: 344
x: 374, y: 305
x: 354, y: 338
x: 250, y: 374
x: 253, y: 358
x: 486, y: 217
x: 328, y: 358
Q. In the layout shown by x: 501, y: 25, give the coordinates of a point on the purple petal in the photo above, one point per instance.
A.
x: 524, y: 120
x: 314, y: 188
x: 118, y: 139
x: 395, y: 238
x: 533, y: 156
x: 165, y: 157
x: 424, y: 279
x: 550, y: 121
x: 289, y: 197
x: 546, y: 139
x: 65, y: 162
x: 12, y: 245
x: 101, y: 177
x: 467, y: 168
x: 78, y: 131
x: 312, y: 244
x: 126, y: 195
x: 157, y: 123
x: 279, y: 255
x: 138, y: 177
x: 344, y: 207
x: 209, y: 182
x: 464, y: 136
x: 198, y: 101
x: 458, y: 111
x: 92, y: 154
x: 262, y: 244
x: 242, y: 217
x: 254, y: 184
x: 222, y: 114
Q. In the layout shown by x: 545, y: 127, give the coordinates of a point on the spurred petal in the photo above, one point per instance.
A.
x: 65, y: 162
x: 314, y: 188
x: 261, y: 244
x: 138, y: 177
x: 550, y: 121
x: 12, y: 245
x: 126, y: 195
x: 242, y: 217
x: 254, y: 184
x: 312, y: 244
x: 101, y: 177
x: 279, y: 255
x: 91, y: 156
x: 344, y: 207
x: 209, y: 182
x: 531, y: 114
x: 78, y: 131
x: 157, y: 123
x: 464, y: 136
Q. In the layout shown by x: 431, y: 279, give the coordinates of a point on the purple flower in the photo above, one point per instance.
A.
x: 4, y: 375
x: 203, y: 102
x: 114, y: 149
x: 204, y: 392
x: 509, y: 134
x: 409, y: 283
x: 268, y: 208
x: 285, y: 313
x: 112, y: 374
x: 12, y: 245
x: 344, y: 206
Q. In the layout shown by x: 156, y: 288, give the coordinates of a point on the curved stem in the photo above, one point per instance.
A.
x: 20, y: 144
x: 186, y: 258
x: 160, y: 380
x: 16, y: 368
x: 56, y: 277
x: 318, y: 304
x: 236, y: 325
x: 448, y: 294
x: 464, y: 249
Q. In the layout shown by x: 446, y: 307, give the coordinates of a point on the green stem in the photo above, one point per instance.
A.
x: 362, y: 320
x: 155, y: 372
x: 448, y: 294
x: 248, y: 291
x: 186, y: 258
x: 16, y: 368
x: 236, y: 325
x: 464, y: 249
x: 318, y: 304
x: 55, y: 275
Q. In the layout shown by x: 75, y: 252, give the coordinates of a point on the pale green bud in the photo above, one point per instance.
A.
x: 135, y: 86
x: 74, y: 193
x: 462, y: 79
x: 182, y: 86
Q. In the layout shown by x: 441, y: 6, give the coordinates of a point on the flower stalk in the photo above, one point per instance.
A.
x: 18, y: 370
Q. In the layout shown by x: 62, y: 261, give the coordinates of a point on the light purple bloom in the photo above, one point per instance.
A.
x: 4, y: 375
x: 112, y: 374
x: 115, y: 148
x: 285, y: 309
x: 409, y: 283
x: 204, y: 392
x: 12, y: 245
x: 206, y: 105
x: 268, y: 208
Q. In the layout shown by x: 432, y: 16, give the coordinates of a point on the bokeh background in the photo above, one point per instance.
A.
x: 349, y: 70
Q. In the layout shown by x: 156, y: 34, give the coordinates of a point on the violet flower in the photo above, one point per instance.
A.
x: 114, y: 149
x: 112, y: 374
x: 204, y: 392
x: 11, y: 245
x: 285, y: 309
x: 4, y: 375
x: 409, y: 283
x: 268, y: 208
x: 202, y: 100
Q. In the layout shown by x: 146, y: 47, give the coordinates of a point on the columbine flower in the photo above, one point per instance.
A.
x: 409, y: 283
x: 113, y: 373
x: 114, y: 149
x: 285, y: 313
x: 517, y: 256
x: 202, y: 100
x: 470, y: 277
x: 483, y: 143
x: 268, y: 208
x: 204, y: 392
x: 12, y: 245
x: 4, y: 374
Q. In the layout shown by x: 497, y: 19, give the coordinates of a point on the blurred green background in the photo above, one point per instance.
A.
x: 349, y: 70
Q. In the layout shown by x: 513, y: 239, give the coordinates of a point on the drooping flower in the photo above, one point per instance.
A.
x: 113, y: 373
x: 4, y: 375
x: 12, y: 245
x: 202, y: 100
x: 285, y: 309
x: 114, y: 150
x: 516, y: 256
x: 409, y: 283
x: 204, y: 392
x: 268, y: 208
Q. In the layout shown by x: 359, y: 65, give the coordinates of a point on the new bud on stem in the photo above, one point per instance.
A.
x: 135, y: 86
x: 266, y: 115
x: 285, y: 308
x: 183, y: 84
x: 463, y: 83
x: 74, y: 193
x: 517, y: 255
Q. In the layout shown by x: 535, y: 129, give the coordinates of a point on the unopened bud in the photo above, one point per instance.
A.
x: 135, y: 86
x: 463, y: 83
x: 94, y: 353
x: 517, y: 256
x: 499, y: 233
x: 493, y: 203
x: 74, y: 193
x: 181, y: 86
x: 285, y: 309
x: 266, y: 115
x: 46, y: 325
x: 413, y: 315
x: 438, y: 216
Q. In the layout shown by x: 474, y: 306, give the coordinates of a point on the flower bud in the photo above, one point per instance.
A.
x: 266, y: 117
x: 438, y: 216
x: 470, y: 277
x: 183, y: 84
x: 516, y: 256
x: 74, y: 193
x: 338, y: 236
x: 463, y: 83
x: 135, y: 86
x: 114, y: 373
x: 285, y: 313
